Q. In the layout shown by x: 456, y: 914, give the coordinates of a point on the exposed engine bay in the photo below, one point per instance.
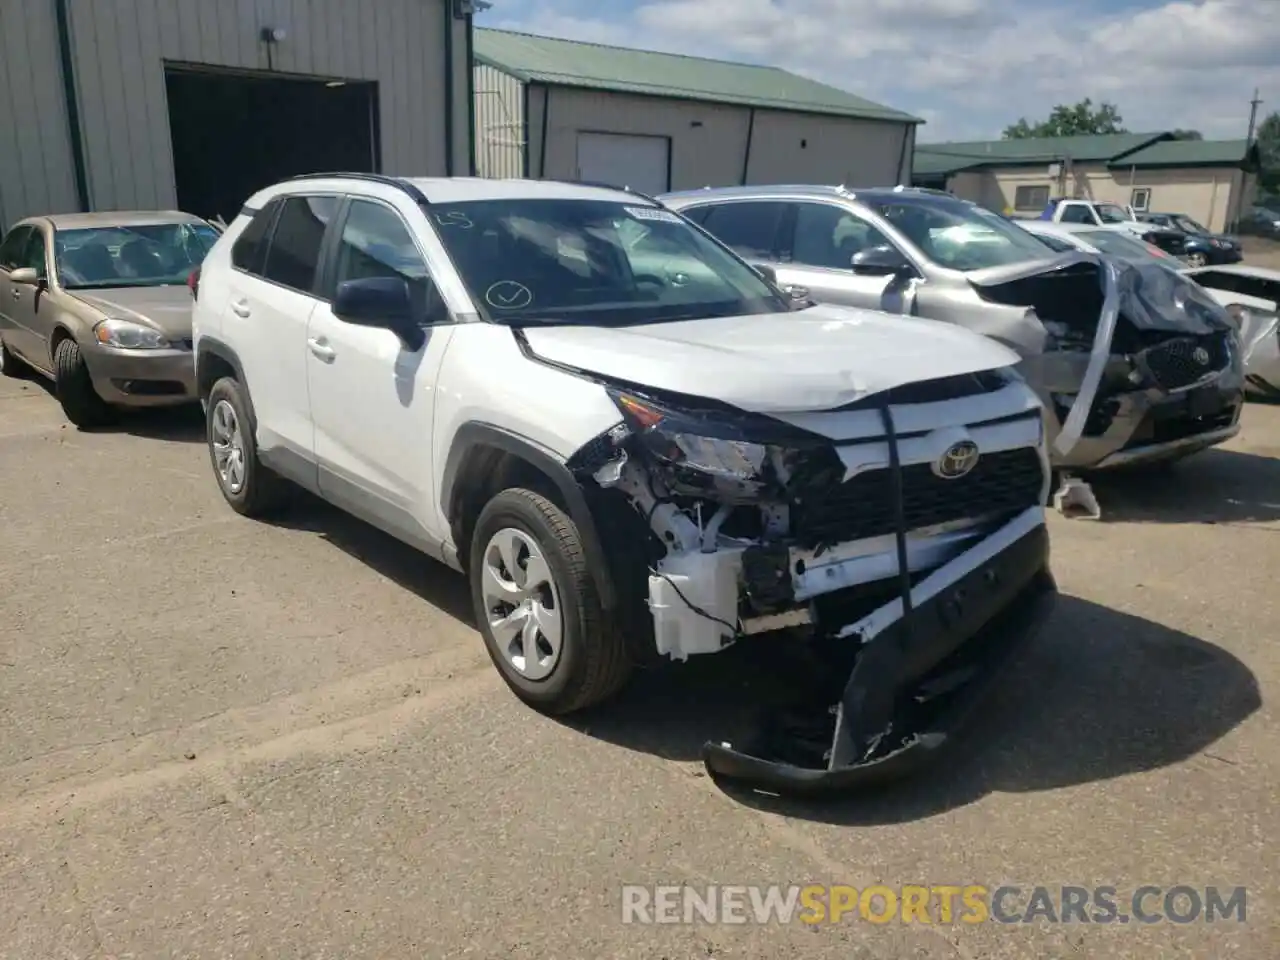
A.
x: 1135, y: 363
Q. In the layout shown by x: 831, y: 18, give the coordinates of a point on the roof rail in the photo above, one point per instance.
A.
x: 400, y: 184
x: 609, y: 186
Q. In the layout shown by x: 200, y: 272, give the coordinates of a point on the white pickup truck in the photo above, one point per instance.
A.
x: 1111, y: 216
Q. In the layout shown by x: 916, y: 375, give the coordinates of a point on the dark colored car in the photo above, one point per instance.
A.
x: 1200, y: 245
x: 1261, y: 221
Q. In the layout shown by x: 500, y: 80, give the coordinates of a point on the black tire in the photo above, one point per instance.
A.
x: 10, y: 365
x: 261, y: 492
x: 593, y: 664
x: 74, y: 388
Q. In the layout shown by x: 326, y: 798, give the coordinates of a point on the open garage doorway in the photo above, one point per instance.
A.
x: 236, y: 132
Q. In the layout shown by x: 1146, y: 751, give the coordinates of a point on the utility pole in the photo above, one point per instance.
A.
x: 1253, y: 115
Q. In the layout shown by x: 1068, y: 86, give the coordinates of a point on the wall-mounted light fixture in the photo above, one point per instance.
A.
x: 273, y: 34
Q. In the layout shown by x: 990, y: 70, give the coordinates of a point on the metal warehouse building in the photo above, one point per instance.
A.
x: 654, y: 122
x: 117, y: 104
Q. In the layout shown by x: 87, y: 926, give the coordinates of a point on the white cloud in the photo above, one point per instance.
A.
x: 971, y: 67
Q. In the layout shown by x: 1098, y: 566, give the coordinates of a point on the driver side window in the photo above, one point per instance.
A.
x: 1077, y: 213
x: 33, y: 254
x: 375, y: 243
x: 828, y: 236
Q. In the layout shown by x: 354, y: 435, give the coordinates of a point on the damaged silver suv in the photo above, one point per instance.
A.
x: 1134, y: 363
x: 635, y: 446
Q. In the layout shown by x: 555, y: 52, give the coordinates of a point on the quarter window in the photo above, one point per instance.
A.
x: 293, y: 256
x: 749, y: 228
x: 11, y: 249
x: 247, y: 251
x: 375, y: 242
x: 828, y: 236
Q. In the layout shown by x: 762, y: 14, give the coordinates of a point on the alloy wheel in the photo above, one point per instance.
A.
x: 522, y: 603
x: 228, y: 447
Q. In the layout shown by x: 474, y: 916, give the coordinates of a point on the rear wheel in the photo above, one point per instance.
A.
x: 74, y: 388
x: 250, y: 488
x: 537, y: 608
x: 1197, y: 260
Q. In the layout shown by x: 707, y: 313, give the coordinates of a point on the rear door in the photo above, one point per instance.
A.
x: 817, y: 254
x: 272, y: 293
x: 11, y: 258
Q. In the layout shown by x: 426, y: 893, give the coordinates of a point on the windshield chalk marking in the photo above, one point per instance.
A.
x: 508, y: 295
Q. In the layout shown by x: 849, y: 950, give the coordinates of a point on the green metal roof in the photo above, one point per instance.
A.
x: 535, y: 59
x: 1191, y: 153
x: 941, y: 158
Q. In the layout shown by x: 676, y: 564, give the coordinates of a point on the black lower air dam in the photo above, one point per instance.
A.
x: 916, y: 679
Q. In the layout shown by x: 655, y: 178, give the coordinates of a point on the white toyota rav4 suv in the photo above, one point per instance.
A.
x: 635, y: 445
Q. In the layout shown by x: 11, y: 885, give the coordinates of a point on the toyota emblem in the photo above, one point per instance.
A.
x: 1201, y: 356
x: 958, y: 460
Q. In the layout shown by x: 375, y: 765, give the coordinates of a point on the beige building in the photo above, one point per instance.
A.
x: 1211, y: 181
x: 565, y: 110
x: 114, y: 104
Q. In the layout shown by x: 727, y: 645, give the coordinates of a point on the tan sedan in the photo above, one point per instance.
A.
x: 99, y: 303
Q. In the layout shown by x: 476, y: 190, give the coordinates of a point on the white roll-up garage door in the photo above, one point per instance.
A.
x: 626, y: 160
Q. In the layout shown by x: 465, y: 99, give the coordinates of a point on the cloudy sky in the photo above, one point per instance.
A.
x: 969, y: 67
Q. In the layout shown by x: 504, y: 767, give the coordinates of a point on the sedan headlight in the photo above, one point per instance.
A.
x: 676, y: 439
x: 129, y: 335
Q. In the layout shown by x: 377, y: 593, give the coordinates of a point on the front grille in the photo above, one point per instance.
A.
x: 862, y: 507
x: 1182, y: 361
x: 935, y: 391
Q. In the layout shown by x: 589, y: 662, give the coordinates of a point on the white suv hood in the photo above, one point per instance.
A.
x: 815, y: 359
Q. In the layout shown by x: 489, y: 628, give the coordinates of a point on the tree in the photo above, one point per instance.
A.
x: 1187, y: 134
x: 1268, y: 139
x: 1070, y: 121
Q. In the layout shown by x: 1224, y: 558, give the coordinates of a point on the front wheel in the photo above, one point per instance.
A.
x: 537, y: 608
x: 74, y: 388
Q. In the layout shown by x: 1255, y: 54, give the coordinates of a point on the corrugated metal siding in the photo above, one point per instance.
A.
x: 499, y: 129
x: 36, y: 172
x: 709, y: 141
x: 804, y: 148
x: 120, y: 48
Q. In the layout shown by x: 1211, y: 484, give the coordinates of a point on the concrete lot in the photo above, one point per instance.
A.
x: 225, y: 738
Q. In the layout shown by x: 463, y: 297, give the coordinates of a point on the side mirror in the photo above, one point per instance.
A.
x: 26, y: 276
x: 881, y: 261
x: 380, y: 302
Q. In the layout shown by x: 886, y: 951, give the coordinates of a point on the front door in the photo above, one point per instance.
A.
x: 373, y: 395
x: 20, y: 303
x: 817, y: 254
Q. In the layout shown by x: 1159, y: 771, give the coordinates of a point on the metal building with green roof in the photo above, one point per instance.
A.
x: 656, y: 121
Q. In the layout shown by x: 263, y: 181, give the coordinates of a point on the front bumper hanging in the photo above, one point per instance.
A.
x: 916, y: 678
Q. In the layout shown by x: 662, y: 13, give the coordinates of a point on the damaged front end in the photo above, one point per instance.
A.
x: 1134, y: 362
x: 901, y: 536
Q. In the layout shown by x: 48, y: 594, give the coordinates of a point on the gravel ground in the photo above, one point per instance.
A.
x: 224, y: 738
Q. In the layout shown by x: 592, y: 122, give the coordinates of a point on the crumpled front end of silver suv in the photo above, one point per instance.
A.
x: 903, y: 534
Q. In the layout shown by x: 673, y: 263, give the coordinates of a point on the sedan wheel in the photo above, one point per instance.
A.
x: 1197, y: 260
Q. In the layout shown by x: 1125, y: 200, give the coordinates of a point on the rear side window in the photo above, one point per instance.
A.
x: 749, y: 228
x: 247, y: 251
x: 293, y: 256
x: 1077, y: 214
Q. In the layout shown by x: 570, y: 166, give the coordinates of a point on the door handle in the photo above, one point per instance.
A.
x: 321, y: 350
x: 240, y: 308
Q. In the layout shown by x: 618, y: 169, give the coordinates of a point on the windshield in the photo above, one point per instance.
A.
x: 595, y: 262
x: 960, y: 235
x: 1126, y: 247
x: 1187, y: 225
x: 150, y: 255
x: 1111, y: 213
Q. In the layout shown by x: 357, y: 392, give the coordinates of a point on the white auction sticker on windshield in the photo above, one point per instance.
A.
x: 653, y: 213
